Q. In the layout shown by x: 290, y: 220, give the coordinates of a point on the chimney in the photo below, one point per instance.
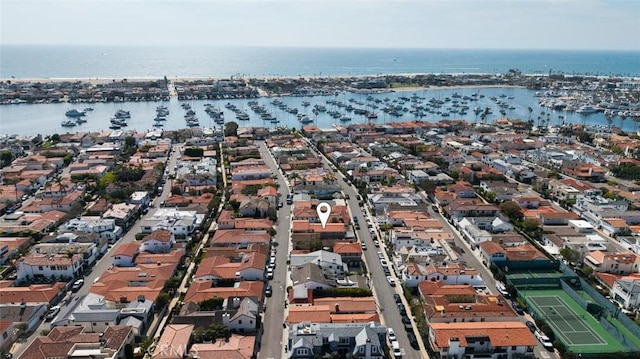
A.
x: 236, y: 302
x: 337, y: 308
x: 225, y: 318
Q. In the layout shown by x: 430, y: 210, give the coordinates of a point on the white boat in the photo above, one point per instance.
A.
x: 74, y: 113
x: 587, y: 109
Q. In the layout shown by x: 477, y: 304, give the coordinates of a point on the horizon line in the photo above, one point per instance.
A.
x: 323, y: 47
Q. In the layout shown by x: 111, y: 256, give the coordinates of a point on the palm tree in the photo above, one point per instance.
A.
x: 530, y: 111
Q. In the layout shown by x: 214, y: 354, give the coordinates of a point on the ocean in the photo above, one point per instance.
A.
x: 157, y: 62
x: 49, y: 62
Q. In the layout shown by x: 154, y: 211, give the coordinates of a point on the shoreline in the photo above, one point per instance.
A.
x: 175, y: 79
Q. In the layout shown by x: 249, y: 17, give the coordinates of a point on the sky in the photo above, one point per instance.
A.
x: 464, y: 24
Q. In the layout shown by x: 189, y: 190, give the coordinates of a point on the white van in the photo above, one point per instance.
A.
x: 502, y: 290
x: 397, y: 353
x: 544, y: 340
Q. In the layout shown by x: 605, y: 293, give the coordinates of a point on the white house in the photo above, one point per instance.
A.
x: 245, y: 318
x: 494, y: 340
x: 140, y: 198
x: 159, y: 241
x: 49, y: 266
x: 181, y: 223
x: 125, y: 254
x: 330, y: 262
x: 626, y: 291
x: 452, y: 273
x: 107, y: 228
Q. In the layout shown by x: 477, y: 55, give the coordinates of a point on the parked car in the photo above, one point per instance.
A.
x: 407, y: 323
x: 269, y: 291
x: 392, y: 282
x: 376, y: 243
x: 392, y: 334
x: 77, y: 285
x: 531, y: 326
x: 397, y: 297
x: 517, y: 308
x: 52, y: 313
x: 270, y: 273
x: 402, y: 309
x: 363, y: 246
x: 544, y: 340
x: 413, y: 340
x: 346, y: 196
x: 397, y: 353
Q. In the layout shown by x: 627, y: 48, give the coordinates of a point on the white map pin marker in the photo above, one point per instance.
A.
x: 324, y: 211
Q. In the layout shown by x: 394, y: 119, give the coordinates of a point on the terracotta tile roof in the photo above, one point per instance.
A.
x: 232, y: 236
x: 160, y: 235
x: 127, y: 249
x: 355, y: 318
x: 616, y: 222
x: 174, y: 342
x: 347, y: 248
x: 408, y: 215
x: 253, y: 223
x: 174, y: 256
x: 348, y: 304
x: 501, y: 334
x: 234, y: 347
x: 202, y: 290
x: 491, y: 248
x: 145, y: 279
x: 35, y: 293
x: 309, y: 313
x: 306, y: 227
x: 428, y: 287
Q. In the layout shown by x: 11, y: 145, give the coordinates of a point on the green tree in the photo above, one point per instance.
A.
x: 569, y: 255
x: 162, y: 300
x: 231, y: 129
x: 532, y: 228
x: 6, y: 157
x: 194, y: 151
x: 512, y: 210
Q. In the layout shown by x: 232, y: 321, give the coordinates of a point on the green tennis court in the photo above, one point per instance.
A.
x: 531, y: 274
x: 571, y: 323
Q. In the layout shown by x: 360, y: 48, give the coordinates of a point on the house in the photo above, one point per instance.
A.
x: 462, y: 208
x: 238, y: 314
x: 239, y: 238
x: 125, y: 254
x: 330, y: 263
x: 106, y: 228
x: 615, y: 263
x: 62, y: 342
x: 158, y: 241
x: 95, y: 314
x: 308, y: 277
x: 8, y: 335
x: 174, y: 342
x: 360, y: 340
x: 203, y: 290
x: 614, y: 226
x: 450, y: 273
x: 47, y: 294
x: 11, y: 247
x: 29, y: 314
x: 49, y: 266
x: 122, y: 285
x: 447, y: 303
x: 247, y: 266
x: 550, y: 218
x: 236, y: 346
x: 493, y: 252
x: 462, y: 189
x: 123, y: 214
x: 141, y: 198
x: 180, y: 223
x: 490, y: 339
x: 257, y: 207
x: 350, y: 253
x: 626, y: 291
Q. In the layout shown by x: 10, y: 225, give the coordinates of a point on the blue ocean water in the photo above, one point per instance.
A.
x: 155, y: 62
x: 42, y: 62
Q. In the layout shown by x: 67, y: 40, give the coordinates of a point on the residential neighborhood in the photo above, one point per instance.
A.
x: 443, y: 240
